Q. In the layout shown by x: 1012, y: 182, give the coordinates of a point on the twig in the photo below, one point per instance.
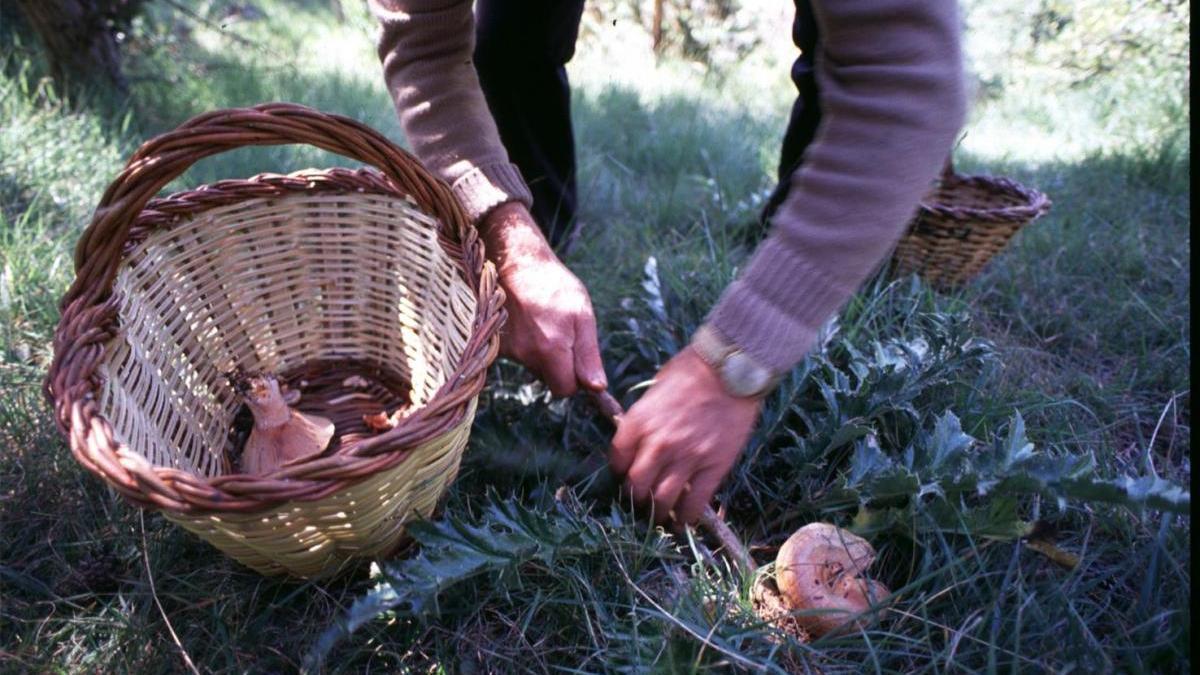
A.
x: 187, y: 660
x: 730, y: 543
x: 186, y: 11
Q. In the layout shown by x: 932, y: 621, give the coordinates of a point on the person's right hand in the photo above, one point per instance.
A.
x: 551, y: 328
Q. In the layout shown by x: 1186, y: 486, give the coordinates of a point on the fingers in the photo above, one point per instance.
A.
x: 650, y: 480
x: 589, y: 368
x: 624, y: 446
x: 549, y: 360
x: 567, y: 368
x: 564, y: 363
x: 558, y: 372
x: 673, y: 492
x: 551, y: 327
x: 665, y: 496
x: 704, y: 486
x: 643, y: 473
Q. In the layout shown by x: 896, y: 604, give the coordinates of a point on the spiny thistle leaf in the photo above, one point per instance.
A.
x: 506, y: 536
x: 1150, y: 491
x: 996, y: 518
x: 939, y: 463
x: 1016, y: 448
x: 877, y: 428
x: 948, y: 444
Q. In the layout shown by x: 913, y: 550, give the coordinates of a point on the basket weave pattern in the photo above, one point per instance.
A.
x: 316, y: 275
x: 963, y: 223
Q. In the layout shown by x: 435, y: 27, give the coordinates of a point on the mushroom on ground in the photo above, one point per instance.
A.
x: 823, y: 567
x: 280, y: 434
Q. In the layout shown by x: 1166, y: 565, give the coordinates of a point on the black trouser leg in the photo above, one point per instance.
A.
x: 521, y: 49
x: 806, y: 113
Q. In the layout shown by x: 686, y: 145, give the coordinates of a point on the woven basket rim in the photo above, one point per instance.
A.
x: 127, y: 214
x: 168, y: 210
x: 1022, y: 203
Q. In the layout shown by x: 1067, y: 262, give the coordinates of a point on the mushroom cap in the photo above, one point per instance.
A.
x: 823, y: 567
x: 262, y: 389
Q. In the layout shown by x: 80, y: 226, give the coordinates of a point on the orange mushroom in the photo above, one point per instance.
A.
x: 823, y: 567
x: 280, y: 434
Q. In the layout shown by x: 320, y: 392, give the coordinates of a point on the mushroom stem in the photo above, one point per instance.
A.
x: 729, y: 541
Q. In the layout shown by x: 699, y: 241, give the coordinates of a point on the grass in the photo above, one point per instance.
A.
x: 1099, y: 309
x: 1089, y: 311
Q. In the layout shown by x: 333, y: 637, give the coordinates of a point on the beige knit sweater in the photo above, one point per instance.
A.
x: 891, y: 94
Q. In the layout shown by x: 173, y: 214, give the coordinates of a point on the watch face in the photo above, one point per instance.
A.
x: 743, y: 377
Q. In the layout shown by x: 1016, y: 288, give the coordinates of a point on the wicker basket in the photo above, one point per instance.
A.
x: 317, y: 276
x: 963, y: 223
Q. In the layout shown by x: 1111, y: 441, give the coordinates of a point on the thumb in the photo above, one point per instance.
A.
x: 589, y: 368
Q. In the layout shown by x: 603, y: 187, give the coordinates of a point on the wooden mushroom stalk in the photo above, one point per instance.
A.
x: 280, y: 434
x: 823, y: 567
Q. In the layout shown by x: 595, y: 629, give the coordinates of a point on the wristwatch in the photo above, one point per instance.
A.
x: 741, y: 375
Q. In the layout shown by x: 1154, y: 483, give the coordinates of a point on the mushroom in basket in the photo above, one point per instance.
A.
x: 280, y: 433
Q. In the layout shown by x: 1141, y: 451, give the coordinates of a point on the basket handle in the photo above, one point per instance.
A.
x: 948, y: 168
x: 165, y: 157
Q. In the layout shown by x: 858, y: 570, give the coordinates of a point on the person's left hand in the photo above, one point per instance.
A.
x: 677, y: 443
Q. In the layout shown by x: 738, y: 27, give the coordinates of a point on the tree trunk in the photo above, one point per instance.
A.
x: 657, y: 30
x: 81, y: 47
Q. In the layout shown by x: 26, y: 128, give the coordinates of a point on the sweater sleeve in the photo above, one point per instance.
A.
x: 426, y: 47
x: 891, y: 91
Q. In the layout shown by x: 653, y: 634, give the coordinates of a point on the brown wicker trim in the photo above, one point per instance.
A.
x: 126, y: 214
x: 163, y: 212
x: 1027, y: 203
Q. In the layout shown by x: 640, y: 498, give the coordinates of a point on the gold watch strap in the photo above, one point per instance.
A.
x: 740, y: 374
x: 710, y: 346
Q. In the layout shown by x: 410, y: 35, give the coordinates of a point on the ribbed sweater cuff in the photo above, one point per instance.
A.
x: 485, y: 187
x: 775, y: 310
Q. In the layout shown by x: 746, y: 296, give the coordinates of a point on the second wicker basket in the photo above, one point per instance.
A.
x: 963, y: 223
